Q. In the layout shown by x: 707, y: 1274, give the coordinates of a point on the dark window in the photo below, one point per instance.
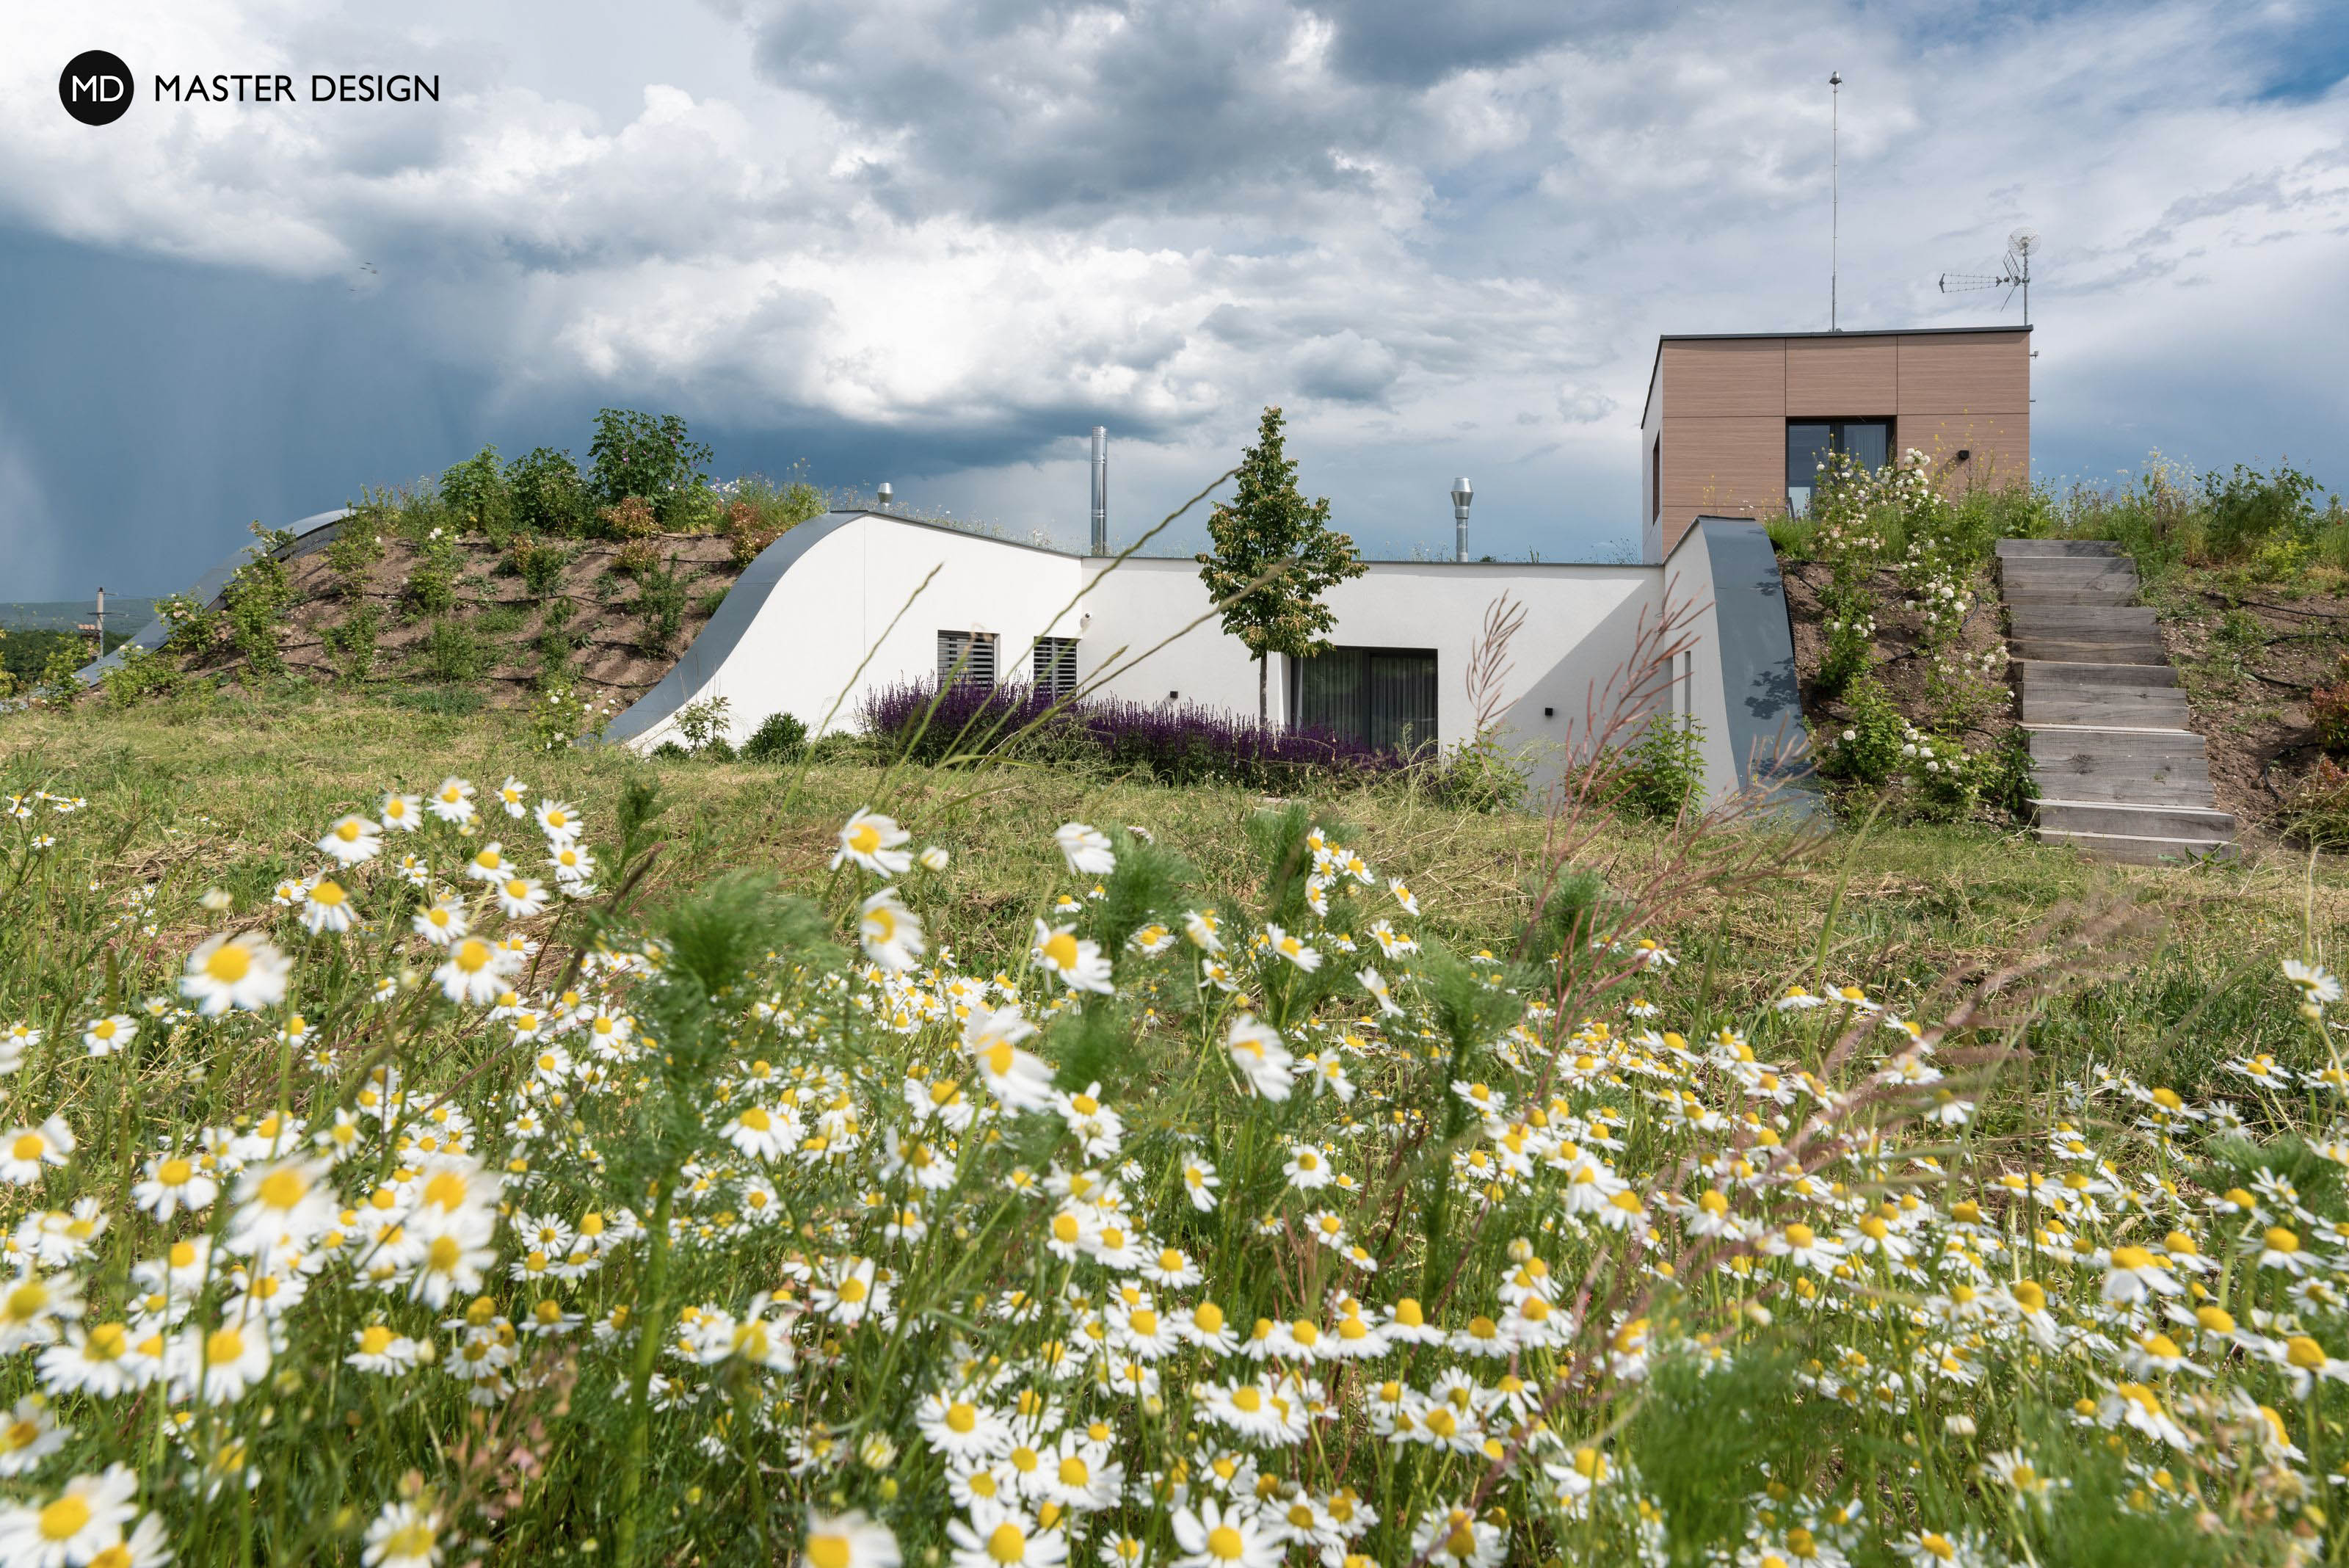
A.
x: 1808, y: 442
x: 1656, y: 478
x: 1382, y: 697
x: 967, y: 655
x: 1056, y: 666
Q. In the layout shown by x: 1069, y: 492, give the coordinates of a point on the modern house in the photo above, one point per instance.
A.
x: 1735, y: 425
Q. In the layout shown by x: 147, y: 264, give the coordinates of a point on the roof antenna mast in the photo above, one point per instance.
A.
x: 1835, y: 188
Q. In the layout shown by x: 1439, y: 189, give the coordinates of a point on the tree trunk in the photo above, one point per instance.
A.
x: 1263, y: 687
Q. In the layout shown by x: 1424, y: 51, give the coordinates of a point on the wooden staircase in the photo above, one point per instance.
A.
x: 2119, y: 772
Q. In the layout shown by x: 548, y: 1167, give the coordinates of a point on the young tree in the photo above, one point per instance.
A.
x: 1278, y: 552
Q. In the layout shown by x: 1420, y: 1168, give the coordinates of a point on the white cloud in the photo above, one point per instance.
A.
x: 986, y: 226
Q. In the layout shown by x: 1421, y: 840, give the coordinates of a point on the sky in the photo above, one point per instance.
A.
x: 935, y: 242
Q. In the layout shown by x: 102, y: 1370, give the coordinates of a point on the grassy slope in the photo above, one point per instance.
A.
x: 225, y: 792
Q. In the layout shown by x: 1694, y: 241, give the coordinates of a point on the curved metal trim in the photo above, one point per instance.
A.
x: 1768, y: 738
x: 311, y: 534
x: 710, y: 652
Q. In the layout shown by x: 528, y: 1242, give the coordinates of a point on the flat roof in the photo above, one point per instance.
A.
x: 1657, y: 366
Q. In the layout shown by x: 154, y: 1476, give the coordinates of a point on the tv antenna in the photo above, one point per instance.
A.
x: 2015, y: 273
x: 1835, y: 187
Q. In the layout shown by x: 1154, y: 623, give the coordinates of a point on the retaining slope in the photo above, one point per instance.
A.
x: 2119, y: 772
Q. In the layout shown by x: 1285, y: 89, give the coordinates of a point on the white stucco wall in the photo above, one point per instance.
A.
x: 1571, y: 663
x: 836, y: 602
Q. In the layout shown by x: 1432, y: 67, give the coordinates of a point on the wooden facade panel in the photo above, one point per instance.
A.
x: 1998, y: 447
x: 1724, y: 378
x: 1842, y: 378
x: 1734, y: 467
x: 1982, y: 373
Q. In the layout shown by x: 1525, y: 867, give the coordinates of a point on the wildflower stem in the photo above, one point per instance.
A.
x: 651, y: 1331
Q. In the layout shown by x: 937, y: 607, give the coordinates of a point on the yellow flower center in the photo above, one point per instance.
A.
x: 828, y: 1552
x: 229, y: 962
x: 1224, y: 1543
x: 63, y: 1519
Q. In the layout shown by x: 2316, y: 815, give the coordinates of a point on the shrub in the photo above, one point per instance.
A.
x: 1662, y: 774
x: 627, y: 519
x: 2328, y: 709
x: 1169, y: 742
x: 703, y: 724
x: 644, y: 456
x: 139, y: 675
x: 477, y: 497
x: 353, y: 642
x: 2250, y: 509
x: 191, y: 630
x: 780, y: 738
x: 356, y: 545
x: 564, y: 715
x: 432, y: 586
x: 548, y: 494
x: 453, y: 652
x: 757, y: 513
x: 1868, y: 749
x: 2316, y: 813
x: 660, y: 601
x: 539, y: 562
x: 256, y: 599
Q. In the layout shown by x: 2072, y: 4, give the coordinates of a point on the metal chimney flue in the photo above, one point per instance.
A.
x: 1460, y: 494
x: 1100, y: 490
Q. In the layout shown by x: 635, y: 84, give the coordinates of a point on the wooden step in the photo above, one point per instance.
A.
x: 2193, y: 824
x: 2043, y: 549
x: 2136, y: 767
x: 2099, y: 591
x: 2063, y: 673
x: 2048, y: 649
x: 2059, y: 568
x: 2067, y: 619
x: 2132, y: 850
x: 2115, y: 707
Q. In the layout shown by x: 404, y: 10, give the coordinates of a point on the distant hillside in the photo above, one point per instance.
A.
x: 123, y: 614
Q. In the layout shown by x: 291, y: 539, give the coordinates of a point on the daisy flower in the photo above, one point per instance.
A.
x: 1219, y: 1535
x: 1293, y: 949
x: 512, y: 794
x: 1402, y: 895
x: 2316, y: 987
x: 173, y: 1183
x: 404, y: 1535
x: 105, y: 1036
x: 891, y: 934
x: 403, y: 812
x: 2131, y: 1274
x: 243, y: 970
x: 75, y: 1526
x: 326, y: 907
x: 850, y: 1540
x: 871, y: 841
x: 452, y: 802
x: 475, y: 972
x: 353, y: 839
x: 1086, y: 849
x: 442, y: 922
x: 1076, y: 963
x: 27, y: 1152
x: 1199, y: 928
x: 1262, y: 1061
x: 519, y: 898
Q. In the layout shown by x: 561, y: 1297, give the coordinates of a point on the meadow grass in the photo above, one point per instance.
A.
x: 1652, y: 1244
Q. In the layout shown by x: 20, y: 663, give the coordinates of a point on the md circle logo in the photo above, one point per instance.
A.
x: 96, y: 87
